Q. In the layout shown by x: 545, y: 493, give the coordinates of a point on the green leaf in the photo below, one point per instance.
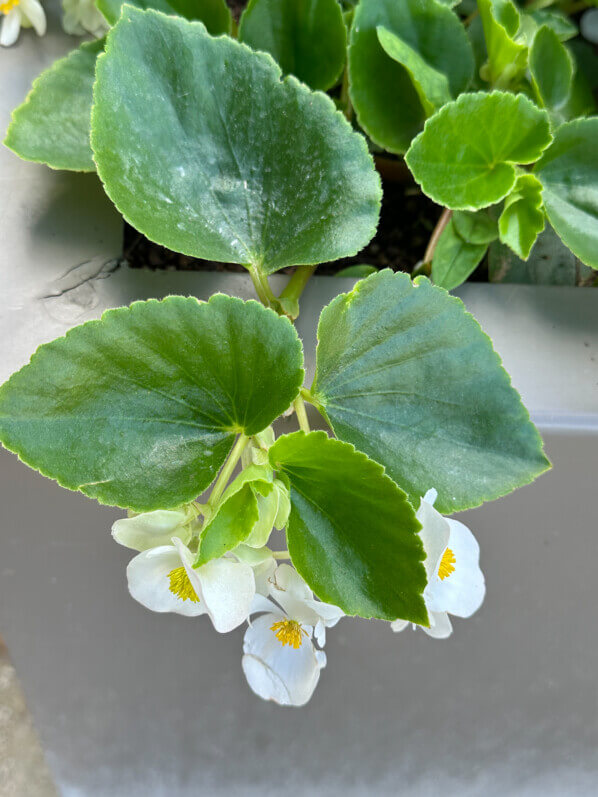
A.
x: 352, y: 534
x: 382, y: 90
x: 230, y: 526
x: 431, y: 85
x: 506, y: 57
x: 214, y: 14
x: 140, y: 408
x: 475, y: 228
x: 359, y: 270
x: 306, y: 37
x: 522, y: 219
x: 52, y: 125
x: 568, y: 172
x: 408, y: 377
x: 560, y: 23
x: 268, y: 174
x: 455, y: 259
x: 465, y: 157
x: 551, y: 68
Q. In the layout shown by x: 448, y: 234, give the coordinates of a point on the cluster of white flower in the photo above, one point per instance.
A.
x: 79, y: 17
x: 282, y: 648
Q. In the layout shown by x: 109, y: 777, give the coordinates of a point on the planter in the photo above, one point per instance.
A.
x: 132, y: 703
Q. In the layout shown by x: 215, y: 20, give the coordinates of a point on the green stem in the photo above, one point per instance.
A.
x: 227, y: 471
x: 262, y: 287
x: 296, y: 285
x: 345, y: 98
x: 441, y: 224
x: 280, y: 554
x: 299, y: 406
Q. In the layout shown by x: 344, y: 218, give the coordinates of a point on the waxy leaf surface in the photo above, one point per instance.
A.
x: 52, y: 125
x: 408, y: 377
x: 383, y: 86
x: 351, y: 534
x: 140, y: 408
x: 306, y: 37
x: 465, y: 157
x: 569, y: 174
x: 205, y: 149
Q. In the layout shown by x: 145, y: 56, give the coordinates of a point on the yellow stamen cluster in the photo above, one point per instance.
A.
x: 288, y: 632
x: 447, y: 564
x: 181, y: 586
x: 8, y: 5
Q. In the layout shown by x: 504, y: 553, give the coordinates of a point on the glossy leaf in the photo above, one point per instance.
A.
x: 351, y: 534
x: 465, y: 157
x: 140, y: 408
x: 407, y: 376
x: 214, y: 14
x: 431, y: 85
x: 382, y: 90
x: 568, y: 172
x: 522, y: 219
x: 475, y: 228
x: 551, y: 68
x: 52, y: 125
x: 306, y: 37
x: 268, y: 174
x: 506, y: 57
x: 455, y: 259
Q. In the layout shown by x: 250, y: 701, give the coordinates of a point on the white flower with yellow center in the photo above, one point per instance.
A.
x: 82, y: 16
x: 455, y: 582
x: 280, y: 660
x: 17, y: 14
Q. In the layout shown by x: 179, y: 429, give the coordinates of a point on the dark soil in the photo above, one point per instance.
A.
x: 406, y: 222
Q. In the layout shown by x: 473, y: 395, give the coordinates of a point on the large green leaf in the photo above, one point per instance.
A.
x: 465, y: 157
x: 522, y: 219
x: 351, y: 534
x: 455, y: 258
x: 551, y: 68
x: 214, y: 14
x: 408, y: 377
x: 307, y: 38
x: 140, y: 408
x: 204, y: 148
x: 52, y: 125
x: 569, y: 173
x: 506, y: 57
x: 383, y: 91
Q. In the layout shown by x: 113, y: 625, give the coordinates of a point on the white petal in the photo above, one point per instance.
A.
x: 151, y: 529
x: 431, y: 496
x: 399, y: 625
x: 34, y: 12
x: 228, y: 590
x: 290, y: 591
x: 434, y: 536
x: 11, y: 25
x: 147, y: 576
x: 263, y: 574
x: 262, y: 604
x: 440, y: 625
x: 327, y: 612
x: 463, y: 591
x: 284, y: 674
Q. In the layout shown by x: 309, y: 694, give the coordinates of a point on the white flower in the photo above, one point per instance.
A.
x: 20, y: 14
x: 455, y: 582
x: 150, y: 529
x: 280, y: 661
x: 82, y: 16
x: 163, y: 579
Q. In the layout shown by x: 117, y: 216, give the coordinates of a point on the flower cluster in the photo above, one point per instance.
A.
x: 283, y: 644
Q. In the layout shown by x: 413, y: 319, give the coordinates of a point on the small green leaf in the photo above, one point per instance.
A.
x: 140, y: 408
x: 431, y: 85
x: 229, y: 527
x: 214, y: 14
x: 454, y: 258
x: 560, y: 23
x: 551, y: 68
x: 52, y: 125
x: 568, y: 172
x: 506, y: 57
x: 268, y: 174
x: 522, y: 219
x: 307, y: 38
x: 382, y: 90
x: 465, y: 157
x: 408, y: 377
x: 359, y: 270
x: 352, y: 534
x: 475, y: 228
